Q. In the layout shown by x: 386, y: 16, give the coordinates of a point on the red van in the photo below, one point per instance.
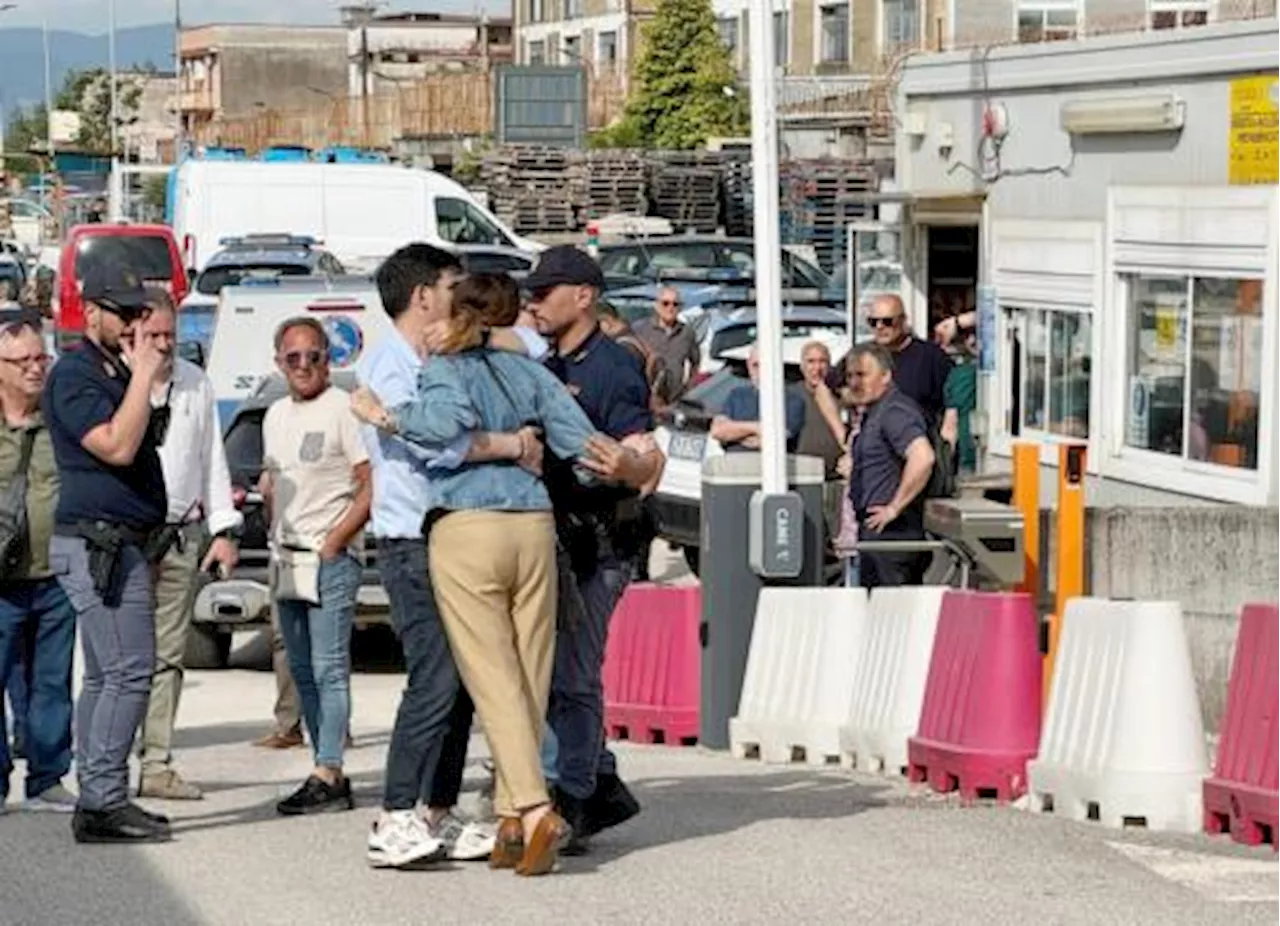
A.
x: 150, y: 250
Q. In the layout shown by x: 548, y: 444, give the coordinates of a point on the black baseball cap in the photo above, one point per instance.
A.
x: 564, y: 265
x: 114, y: 288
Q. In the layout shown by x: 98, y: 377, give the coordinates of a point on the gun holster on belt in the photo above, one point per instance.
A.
x: 104, y: 543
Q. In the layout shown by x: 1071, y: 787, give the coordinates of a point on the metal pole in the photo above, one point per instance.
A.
x: 111, y: 55
x: 768, y: 250
x: 179, y: 129
x: 48, y: 106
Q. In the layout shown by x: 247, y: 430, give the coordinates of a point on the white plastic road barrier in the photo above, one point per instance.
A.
x: 1123, y: 741
x: 795, y: 692
x: 889, y: 678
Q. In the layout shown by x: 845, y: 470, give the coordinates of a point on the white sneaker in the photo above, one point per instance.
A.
x: 54, y: 800
x: 465, y: 841
x: 400, y: 838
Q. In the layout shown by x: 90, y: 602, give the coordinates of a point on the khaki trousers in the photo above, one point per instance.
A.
x: 288, y: 708
x: 494, y: 574
x: 175, y: 592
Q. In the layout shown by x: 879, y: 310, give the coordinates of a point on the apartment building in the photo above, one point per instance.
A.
x: 811, y: 36
x: 852, y: 37
x: 229, y: 71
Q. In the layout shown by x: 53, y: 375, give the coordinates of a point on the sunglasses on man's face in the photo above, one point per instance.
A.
x: 669, y: 302
x: 300, y: 359
x: 883, y: 321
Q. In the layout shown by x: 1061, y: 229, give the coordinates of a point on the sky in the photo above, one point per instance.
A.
x: 92, y: 16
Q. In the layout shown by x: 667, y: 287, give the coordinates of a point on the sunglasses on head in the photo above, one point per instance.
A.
x: 883, y: 321
x: 297, y: 359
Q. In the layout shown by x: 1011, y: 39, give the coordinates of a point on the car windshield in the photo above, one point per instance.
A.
x: 243, y: 442
x: 743, y: 335
x: 214, y: 279
x: 147, y: 255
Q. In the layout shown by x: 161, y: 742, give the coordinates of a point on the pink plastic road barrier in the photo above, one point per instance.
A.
x: 980, y: 723
x: 653, y: 665
x: 1241, y: 796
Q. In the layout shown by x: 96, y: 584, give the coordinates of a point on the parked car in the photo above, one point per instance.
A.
x: 653, y: 259
x: 244, y: 599
x: 683, y: 431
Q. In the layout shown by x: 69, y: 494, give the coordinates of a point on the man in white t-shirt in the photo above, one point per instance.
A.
x: 316, y: 484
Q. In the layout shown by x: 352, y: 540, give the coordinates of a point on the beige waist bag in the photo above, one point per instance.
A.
x: 295, y: 575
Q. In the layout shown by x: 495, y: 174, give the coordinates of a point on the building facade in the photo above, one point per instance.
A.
x: 390, y: 50
x: 234, y: 71
x: 1109, y: 208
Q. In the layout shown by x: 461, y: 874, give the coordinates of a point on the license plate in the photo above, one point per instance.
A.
x: 688, y: 446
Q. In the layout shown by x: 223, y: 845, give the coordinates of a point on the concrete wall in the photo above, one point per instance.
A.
x: 281, y: 77
x: 1196, y: 64
x: 1210, y: 560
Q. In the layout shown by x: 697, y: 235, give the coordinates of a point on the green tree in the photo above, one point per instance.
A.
x: 686, y: 87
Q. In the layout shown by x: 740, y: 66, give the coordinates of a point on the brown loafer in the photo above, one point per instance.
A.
x: 508, y: 847
x: 277, y: 740
x: 542, y: 850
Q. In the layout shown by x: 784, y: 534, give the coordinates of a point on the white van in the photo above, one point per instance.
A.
x: 242, y: 352
x: 360, y: 212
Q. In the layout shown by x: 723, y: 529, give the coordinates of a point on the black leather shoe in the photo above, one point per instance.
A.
x: 575, y: 813
x: 125, y: 824
x: 612, y: 804
x: 157, y: 818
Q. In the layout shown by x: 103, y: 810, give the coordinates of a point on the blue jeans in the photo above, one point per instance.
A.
x: 318, y: 641
x: 18, y: 689
x: 576, y: 711
x: 550, y: 756
x: 119, y: 646
x: 428, y: 748
x: 38, y: 637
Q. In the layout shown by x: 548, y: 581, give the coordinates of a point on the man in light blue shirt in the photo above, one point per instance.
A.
x: 433, y: 724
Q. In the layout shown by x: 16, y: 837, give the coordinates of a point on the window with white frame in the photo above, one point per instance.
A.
x: 607, y: 49
x: 537, y: 11
x: 727, y: 29
x: 1194, y: 368
x: 1048, y: 20
x: 572, y: 9
x: 833, y: 25
x: 901, y: 20
x: 538, y: 52
x: 1177, y: 14
x: 781, y: 45
x: 1054, y: 354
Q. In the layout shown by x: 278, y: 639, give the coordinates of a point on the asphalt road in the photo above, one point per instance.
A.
x: 719, y: 841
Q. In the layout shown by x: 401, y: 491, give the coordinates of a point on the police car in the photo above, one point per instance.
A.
x: 683, y: 431
x: 250, y: 257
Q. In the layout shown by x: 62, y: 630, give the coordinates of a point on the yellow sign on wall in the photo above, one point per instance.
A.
x: 1255, y: 130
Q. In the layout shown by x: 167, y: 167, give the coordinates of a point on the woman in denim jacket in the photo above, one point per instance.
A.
x: 493, y: 553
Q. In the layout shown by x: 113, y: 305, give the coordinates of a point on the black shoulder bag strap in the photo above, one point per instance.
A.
x: 24, y: 459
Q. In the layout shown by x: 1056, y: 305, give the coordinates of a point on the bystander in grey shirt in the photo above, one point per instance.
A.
x: 677, y: 351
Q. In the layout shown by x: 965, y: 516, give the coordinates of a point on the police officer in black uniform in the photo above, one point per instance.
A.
x: 109, y: 531
x: 596, y: 528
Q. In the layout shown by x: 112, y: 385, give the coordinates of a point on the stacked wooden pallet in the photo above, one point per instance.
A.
x: 819, y: 199
x: 616, y: 182
x: 739, y: 202
x: 535, y: 188
x: 685, y: 189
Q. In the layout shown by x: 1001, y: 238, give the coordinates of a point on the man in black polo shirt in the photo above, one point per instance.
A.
x: 108, y: 530
x: 920, y: 368
x: 609, y: 384
x: 892, y: 461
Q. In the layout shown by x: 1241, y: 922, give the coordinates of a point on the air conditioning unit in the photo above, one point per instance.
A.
x: 1158, y: 112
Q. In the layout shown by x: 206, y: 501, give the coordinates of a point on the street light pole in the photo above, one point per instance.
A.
x: 768, y: 249
x: 48, y: 105
x: 111, y: 55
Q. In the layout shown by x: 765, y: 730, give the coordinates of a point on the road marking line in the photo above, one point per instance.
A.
x: 1226, y: 879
